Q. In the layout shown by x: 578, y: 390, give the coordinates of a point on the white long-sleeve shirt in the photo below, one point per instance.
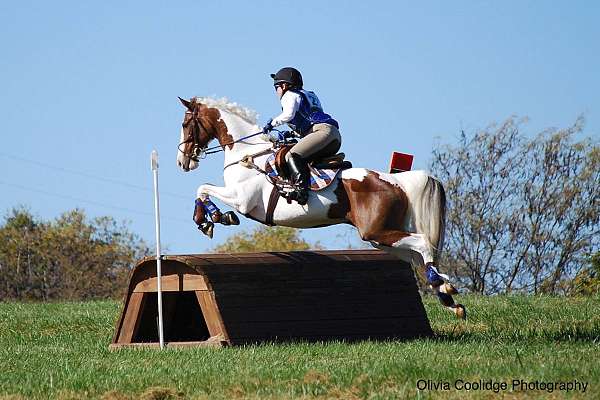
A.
x: 290, y: 103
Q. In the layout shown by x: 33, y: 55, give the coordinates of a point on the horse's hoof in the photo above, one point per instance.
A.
x: 207, y: 228
x: 229, y: 218
x: 460, y: 311
x: 448, y: 289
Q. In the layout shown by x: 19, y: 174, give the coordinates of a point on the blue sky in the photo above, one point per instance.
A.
x: 89, y: 89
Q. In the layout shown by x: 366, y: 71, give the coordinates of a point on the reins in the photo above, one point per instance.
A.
x: 201, y: 152
x: 221, y: 147
x: 248, y: 160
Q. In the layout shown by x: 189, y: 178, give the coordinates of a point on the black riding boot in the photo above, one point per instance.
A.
x: 300, y: 178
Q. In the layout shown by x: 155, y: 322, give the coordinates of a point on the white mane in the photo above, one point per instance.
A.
x: 224, y: 104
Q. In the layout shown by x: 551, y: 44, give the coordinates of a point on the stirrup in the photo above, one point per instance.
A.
x: 301, y: 197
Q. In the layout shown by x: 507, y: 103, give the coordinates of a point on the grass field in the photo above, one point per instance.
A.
x: 60, y: 351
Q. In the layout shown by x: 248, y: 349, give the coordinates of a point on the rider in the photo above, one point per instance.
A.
x: 318, y: 133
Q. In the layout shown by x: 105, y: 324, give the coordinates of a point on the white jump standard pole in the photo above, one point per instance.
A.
x: 154, y: 165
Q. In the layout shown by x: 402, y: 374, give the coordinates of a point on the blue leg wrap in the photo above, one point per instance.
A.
x: 209, y: 206
x: 433, y: 278
x: 211, y: 211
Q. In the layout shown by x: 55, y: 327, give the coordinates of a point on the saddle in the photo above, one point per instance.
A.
x: 335, y: 162
x: 322, y: 171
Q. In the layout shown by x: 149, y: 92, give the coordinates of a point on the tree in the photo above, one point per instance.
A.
x: 561, y: 194
x: 21, y: 272
x: 69, y: 258
x: 477, y: 175
x: 523, y: 213
x: 264, y: 238
x: 587, y: 282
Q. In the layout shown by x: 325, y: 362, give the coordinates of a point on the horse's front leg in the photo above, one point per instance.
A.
x: 228, y: 195
x: 206, y: 213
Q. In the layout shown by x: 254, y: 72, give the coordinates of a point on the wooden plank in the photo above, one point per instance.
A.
x: 383, y: 326
x: 250, y: 260
x: 312, y: 295
x: 318, y: 310
x: 212, y: 342
x: 131, y: 320
x: 173, y: 283
x: 202, y: 261
x: 373, y: 327
x: 316, y: 267
x: 253, y: 297
x: 331, y: 337
x: 314, y: 285
x: 301, y: 274
x: 211, y: 314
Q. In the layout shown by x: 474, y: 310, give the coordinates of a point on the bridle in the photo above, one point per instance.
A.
x: 198, y: 152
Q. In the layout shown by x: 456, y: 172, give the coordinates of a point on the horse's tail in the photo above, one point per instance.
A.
x: 430, y: 214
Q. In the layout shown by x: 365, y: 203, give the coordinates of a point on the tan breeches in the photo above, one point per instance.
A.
x: 323, y: 140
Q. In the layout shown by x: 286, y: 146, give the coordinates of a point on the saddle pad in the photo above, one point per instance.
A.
x: 319, y: 178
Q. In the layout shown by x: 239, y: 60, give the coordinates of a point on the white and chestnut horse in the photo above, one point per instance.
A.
x: 402, y: 213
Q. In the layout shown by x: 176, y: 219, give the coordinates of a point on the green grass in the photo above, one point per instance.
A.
x: 60, y: 350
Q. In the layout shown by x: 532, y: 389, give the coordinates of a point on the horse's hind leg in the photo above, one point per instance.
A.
x: 423, y: 258
x: 414, y: 248
x: 379, y: 209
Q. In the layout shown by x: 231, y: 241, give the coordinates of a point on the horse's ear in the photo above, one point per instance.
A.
x: 185, y: 103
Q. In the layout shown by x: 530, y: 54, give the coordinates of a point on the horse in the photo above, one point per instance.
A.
x: 400, y: 213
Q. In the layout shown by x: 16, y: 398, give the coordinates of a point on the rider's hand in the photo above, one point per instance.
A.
x: 268, y: 127
x: 267, y: 134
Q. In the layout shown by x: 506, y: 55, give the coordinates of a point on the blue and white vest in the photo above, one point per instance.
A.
x: 309, y: 113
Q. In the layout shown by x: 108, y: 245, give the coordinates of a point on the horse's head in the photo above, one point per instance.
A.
x: 199, y: 127
x: 207, y: 119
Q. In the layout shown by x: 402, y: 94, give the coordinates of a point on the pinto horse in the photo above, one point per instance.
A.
x: 400, y: 213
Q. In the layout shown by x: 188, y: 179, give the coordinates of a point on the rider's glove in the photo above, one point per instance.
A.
x: 266, y: 131
x: 268, y: 127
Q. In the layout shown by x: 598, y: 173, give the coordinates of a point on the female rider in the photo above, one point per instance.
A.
x: 318, y: 132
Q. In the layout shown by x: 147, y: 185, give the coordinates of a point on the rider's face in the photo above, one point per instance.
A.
x: 280, y: 89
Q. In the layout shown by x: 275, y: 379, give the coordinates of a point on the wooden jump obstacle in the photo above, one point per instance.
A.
x: 232, y: 299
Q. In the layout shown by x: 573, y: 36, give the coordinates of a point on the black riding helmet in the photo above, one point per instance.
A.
x: 289, y: 75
